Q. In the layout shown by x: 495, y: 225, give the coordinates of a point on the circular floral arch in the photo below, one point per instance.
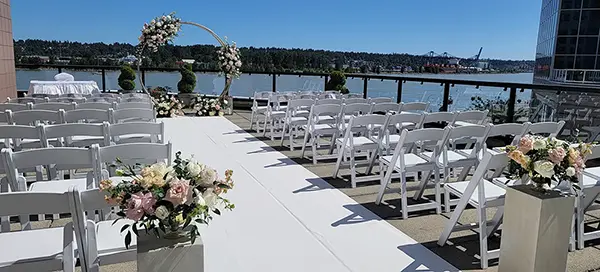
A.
x: 163, y: 29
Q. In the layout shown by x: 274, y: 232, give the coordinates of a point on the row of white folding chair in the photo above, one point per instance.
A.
x: 20, y: 137
x: 111, y: 250
x: 33, y: 117
x: 72, y: 105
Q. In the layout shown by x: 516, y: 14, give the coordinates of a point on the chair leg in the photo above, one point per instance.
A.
x: 403, y: 195
x: 483, y: 248
x: 352, y: 168
x: 447, y: 200
x: 385, y: 180
x: 338, y: 163
x: 304, y: 142
x: 333, y: 144
x: 580, y: 225
x: 265, y: 126
x: 272, y: 130
x: 372, y: 161
x: 283, y: 132
x: 252, y: 119
x: 438, y: 195
x: 293, y: 131
x: 314, y: 152
x: 422, y: 185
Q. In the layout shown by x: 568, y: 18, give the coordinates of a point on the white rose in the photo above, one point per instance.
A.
x: 210, y: 198
x: 238, y: 64
x: 159, y: 24
x: 208, y: 176
x: 168, y: 17
x: 194, y: 168
x: 544, y: 168
x: 539, y: 144
x: 199, y: 199
x: 161, y: 212
x: 153, y: 37
x: 152, y: 22
x: 570, y: 171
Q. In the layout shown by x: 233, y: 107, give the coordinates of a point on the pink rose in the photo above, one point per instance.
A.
x: 526, y: 144
x: 557, y: 155
x: 217, y: 107
x: 135, y: 211
x: 179, y: 192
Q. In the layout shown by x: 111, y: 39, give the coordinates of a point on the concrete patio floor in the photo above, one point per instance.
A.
x: 425, y: 227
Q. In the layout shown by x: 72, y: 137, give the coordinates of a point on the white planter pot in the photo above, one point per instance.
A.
x: 164, y: 255
x: 535, y: 231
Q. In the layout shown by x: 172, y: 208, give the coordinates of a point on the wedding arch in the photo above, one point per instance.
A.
x: 163, y: 29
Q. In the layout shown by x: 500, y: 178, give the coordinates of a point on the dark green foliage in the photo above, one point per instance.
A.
x: 188, y: 79
x: 337, y: 82
x: 497, y: 108
x: 127, y: 78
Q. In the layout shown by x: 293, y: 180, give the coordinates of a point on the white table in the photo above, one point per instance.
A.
x: 63, y: 87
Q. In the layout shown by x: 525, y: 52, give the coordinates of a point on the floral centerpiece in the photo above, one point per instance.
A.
x: 169, y: 200
x: 545, y: 160
x: 168, y: 106
x: 163, y: 29
x: 206, y: 106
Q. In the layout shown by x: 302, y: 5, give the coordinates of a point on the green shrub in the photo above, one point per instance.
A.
x: 127, y: 78
x: 337, y: 82
x: 187, y: 84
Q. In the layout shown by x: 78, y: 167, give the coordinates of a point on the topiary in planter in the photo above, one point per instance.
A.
x: 188, y: 79
x: 337, y: 82
x: 127, y: 78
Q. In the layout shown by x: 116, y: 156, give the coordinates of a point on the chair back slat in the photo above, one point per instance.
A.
x: 438, y: 117
x: 475, y: 115
x: 406, y: 117
x: 97, y: 105
x: 134, y: 114
x: 87, y: 115
x: 414, y: 106
x: 357, y: 109
x: 29, y: 203
x: 385, y: 107
x: 378, y: 100
x: 55, y: 106
x: 78, y: 158
x: 14, y: 107
x: 34, y: 117
x: 349, y: 101
x: 329, y: 101
x: 134, y: 105
x: 156, y: 131
x: 550, y: 128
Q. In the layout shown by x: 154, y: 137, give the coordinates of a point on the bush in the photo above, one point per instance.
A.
x: 127, y: 78
x: 187, y: 84
x: 337, y: 82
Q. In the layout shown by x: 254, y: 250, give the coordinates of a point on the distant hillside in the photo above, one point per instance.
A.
x: 254, y: 59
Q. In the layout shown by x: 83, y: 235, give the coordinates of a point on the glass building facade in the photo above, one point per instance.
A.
x: 568, y: 40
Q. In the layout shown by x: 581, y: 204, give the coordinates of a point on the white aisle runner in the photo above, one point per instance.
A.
x: 286, y: 218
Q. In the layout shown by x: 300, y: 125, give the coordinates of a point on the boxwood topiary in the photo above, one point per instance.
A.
x: 187, y: 84
x: 337, y: 82
x: 127, y: 78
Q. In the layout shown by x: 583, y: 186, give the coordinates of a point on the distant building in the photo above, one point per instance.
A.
x: 454, y: 62
x: 190, y: 61
x: 483, y: 65
x: 130, y: 59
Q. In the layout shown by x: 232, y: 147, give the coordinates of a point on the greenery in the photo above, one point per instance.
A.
x: 127, y: 78
x: 253, y: 59
x: 337, y: 82
x: 188, y: 79
x: 497, y: 108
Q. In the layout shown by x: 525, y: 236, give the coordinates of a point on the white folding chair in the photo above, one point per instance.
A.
x: 130, y: 154
x: 438, y: 119
x: 466, y: 118
x: 360, y: 136
x: 552, y: 129
x: 15, y: 136
x: 296, y: 116
x: 44, y: 249
x: 25, y: 100
x: 323, y: 121
x: 104, y: 239
x: 35, y: 117
x: 134, y: 105
x: 14, y: 107
x: 480, y: 193
x: 76, y: 134
x: 352, y: 110
x: 54, y: 106
x: 349, y: 101
x: 513, y: 130
x: 137, y: 132
x: 54, y: 159
x: 256, y: 109
x: 275, y: 113
x: 589, y: 182
x: 414, y: 107
x: 385, y: 108
x: 87, y: 116
x: 329, y: 101
x: 77, y: 100
x: 97, y: 105
x: 397, y: 123
x: 132, y: 115
x: 403, y: 161
x: 378, y: 100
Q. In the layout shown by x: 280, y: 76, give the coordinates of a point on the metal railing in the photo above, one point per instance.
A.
x: 542, y: 93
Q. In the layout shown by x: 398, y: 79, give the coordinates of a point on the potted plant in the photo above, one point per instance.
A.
x: 337, y: 82
x: 127, y: 78
x: 538, y: 216
x: 187, y: 84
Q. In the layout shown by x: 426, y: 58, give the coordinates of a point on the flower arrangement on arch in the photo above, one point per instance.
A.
x: 547, y: 159
x: 229, y: 60
x: 168, y: 106
x: 207, y: 106
x: 170, y: 198
x: 159, y: 31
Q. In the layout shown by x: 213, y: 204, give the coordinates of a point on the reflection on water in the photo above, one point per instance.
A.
x: 246, y: 85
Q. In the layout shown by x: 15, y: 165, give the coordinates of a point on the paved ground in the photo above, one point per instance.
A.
x: 462, y: 250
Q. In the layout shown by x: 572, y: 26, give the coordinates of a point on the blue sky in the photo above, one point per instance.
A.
x: 506, y: 29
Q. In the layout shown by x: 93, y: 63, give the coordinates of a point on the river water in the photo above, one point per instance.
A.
x: 246, y: 85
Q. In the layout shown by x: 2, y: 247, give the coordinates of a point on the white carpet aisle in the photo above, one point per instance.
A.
x: 286, y: 218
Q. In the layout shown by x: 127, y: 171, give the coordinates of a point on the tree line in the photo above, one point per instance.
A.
x: 253, y: 58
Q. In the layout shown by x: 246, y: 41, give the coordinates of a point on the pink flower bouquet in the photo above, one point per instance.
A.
x: 545, y: 160
x: 169, y: 198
